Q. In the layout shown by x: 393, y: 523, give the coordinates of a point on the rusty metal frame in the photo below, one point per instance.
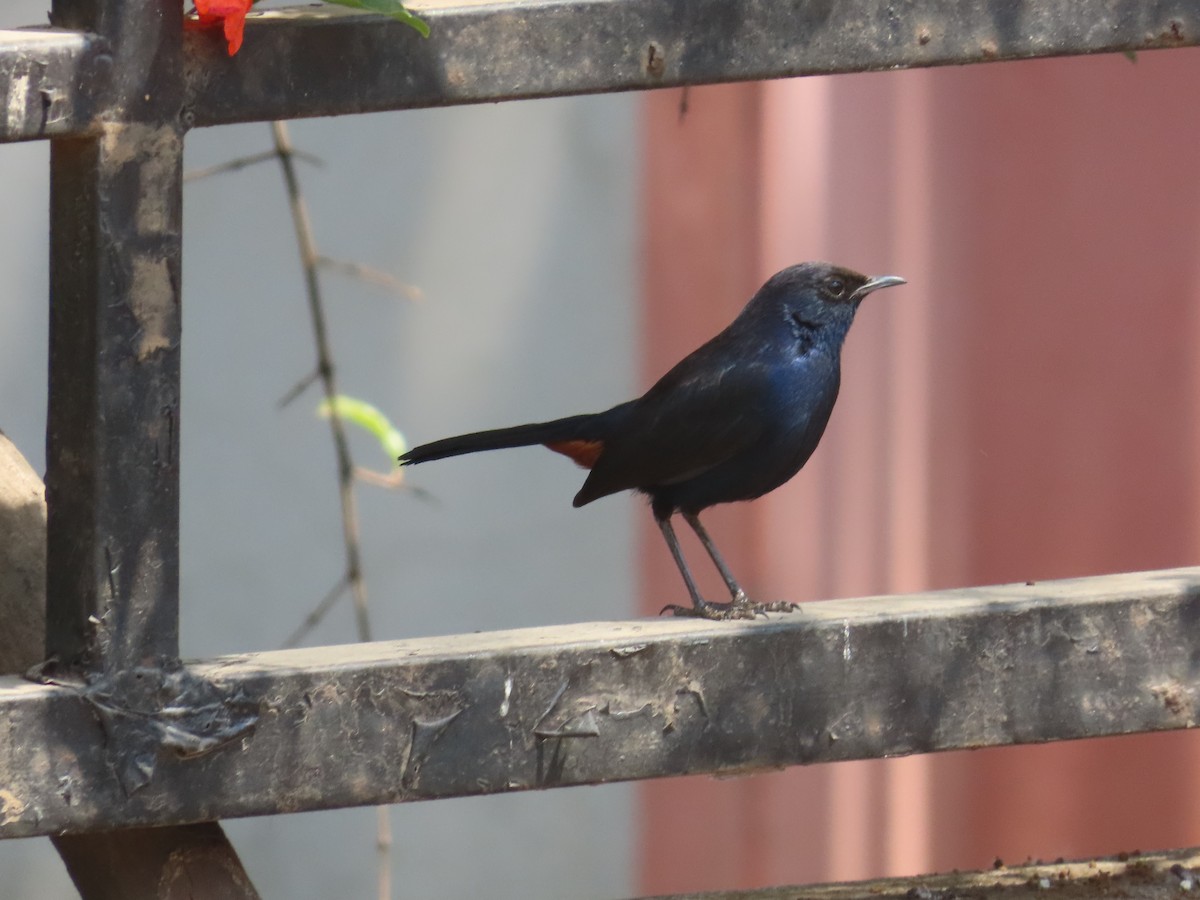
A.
x: 121, y: 733
x: 315, y: 61
x: 587, y: 704
x: 112, y: 435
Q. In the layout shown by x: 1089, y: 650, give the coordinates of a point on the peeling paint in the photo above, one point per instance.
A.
x: 508, y: 686
x: 156, y: 151
x: 626, y: 652
x: 18, y: 90
x: 425, y: 734
x: 157, y: 177
x: 583, y: 724
x: 152, y: 300
x: 12, y: 807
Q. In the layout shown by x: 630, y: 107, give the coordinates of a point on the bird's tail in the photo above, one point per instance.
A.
x: 574, y: 436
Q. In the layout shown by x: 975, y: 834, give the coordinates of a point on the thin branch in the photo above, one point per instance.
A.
x: 371, y: 275
x: 298, y: 388
x: 383, y: 847
x: 392, y: 481
x: 325, y: 371
x: 313, y: 619
x: 309, y: 259
x: 243, y: 162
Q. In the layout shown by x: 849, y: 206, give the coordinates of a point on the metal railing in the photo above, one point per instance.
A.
x: 116, y: 85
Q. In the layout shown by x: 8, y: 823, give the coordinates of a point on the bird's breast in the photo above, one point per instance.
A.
x: 808, y: 383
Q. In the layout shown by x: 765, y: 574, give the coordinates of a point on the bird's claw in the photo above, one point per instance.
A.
x: 741, y: 601
x: 782, y: 606
x: 740, y: 608
x: 714, y: 611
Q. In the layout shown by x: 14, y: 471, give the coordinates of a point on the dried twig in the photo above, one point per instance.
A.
x: 392, y: 480
x: 313, y: 619
x: 371, y: 275
x: 299, y: 388
x: 383, y: 850
x: 353, y: 578
x: 243, y: 162
x: 325, y: 371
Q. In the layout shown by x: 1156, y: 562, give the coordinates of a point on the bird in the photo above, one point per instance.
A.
x: 733, y: 420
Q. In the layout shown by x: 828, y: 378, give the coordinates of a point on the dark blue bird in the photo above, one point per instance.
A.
x: 732, y: 421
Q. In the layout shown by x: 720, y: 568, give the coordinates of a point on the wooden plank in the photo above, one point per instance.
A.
x: 485, y: 713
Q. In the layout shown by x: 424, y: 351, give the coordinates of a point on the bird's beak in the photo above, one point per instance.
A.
x: 879, y: 281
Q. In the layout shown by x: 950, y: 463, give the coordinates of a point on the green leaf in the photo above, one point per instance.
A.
x: 393, y: 8
x: 1130, y: 55
x: 367, y: 417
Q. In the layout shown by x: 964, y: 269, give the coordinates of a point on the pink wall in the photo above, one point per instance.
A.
x: 1025, y: 409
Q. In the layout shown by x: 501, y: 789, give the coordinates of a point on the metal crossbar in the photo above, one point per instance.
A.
x: 315, y: 61
x: 588, y: 704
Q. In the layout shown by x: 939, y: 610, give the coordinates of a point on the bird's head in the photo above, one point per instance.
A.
x: 818, y: 283
x: 816, y: 296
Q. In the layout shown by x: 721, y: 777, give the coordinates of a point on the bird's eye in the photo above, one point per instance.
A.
x: 835, y: 287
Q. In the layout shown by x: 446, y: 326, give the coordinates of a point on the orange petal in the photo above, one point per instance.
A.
x: 221, y: 8
x: 234, y: 25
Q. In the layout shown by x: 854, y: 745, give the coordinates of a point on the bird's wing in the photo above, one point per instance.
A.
x: 681, y: 429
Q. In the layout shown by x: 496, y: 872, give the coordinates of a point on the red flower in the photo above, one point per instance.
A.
x: 231, y: 14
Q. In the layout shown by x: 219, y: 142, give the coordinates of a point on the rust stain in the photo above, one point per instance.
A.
x: 156, y: 151
x: 656, y: 60
x: 151, y: 297
x: 12, y: 807
x: 1174, y: 696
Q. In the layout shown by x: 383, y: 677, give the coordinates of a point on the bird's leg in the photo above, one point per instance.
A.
x: 740, y: 600
x: 735, y: 590
x: 668, y: 533
x: 700, y: 607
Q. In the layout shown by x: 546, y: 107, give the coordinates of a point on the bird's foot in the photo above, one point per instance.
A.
x: 714, y: 611
x: 740, y: 608
x: 741, y: 601
x: 782, y: 606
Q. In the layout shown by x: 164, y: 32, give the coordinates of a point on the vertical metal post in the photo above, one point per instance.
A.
x: 112, y: 479
x: 112, y: 438
x: 185, y: 862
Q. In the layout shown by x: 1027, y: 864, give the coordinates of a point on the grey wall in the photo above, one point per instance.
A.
x: 516, y: 221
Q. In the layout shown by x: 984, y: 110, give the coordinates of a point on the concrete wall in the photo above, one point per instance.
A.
x: 1026, y: 408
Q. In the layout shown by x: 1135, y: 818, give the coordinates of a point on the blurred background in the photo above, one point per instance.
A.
x: 516, y: 222
x: 1025, y: 409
